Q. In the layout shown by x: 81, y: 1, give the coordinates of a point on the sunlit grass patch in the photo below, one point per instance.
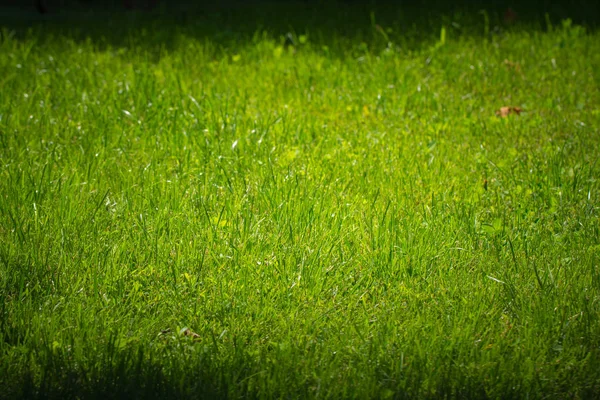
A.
x: 192, y: 210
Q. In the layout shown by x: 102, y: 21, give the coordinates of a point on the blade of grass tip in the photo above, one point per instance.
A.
x: 355, y: 326
x: 512, y: 252
x: 375, y: 198
x: 220, y: 216
x: 38, y: 185
x: 17, y: 226
x: 208, y: 217
x: 229, y: 185
x: 102, y: 200
x: 537, y: 277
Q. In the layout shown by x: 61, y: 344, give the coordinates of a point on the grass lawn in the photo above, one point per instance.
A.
x: 299, y: 201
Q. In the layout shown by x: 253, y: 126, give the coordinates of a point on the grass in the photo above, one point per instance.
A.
x: 256, y: 203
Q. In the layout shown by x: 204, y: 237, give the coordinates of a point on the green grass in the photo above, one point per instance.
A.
x: 338, y: 214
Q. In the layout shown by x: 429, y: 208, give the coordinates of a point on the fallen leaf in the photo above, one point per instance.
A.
x: 190, y: 333
x: 504, y: 112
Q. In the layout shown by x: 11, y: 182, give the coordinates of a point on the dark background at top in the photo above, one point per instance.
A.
x: 231, y: 22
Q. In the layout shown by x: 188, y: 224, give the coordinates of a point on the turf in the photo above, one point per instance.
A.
x: 259, y: 203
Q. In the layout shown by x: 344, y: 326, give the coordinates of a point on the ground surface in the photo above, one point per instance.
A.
x: 289, y: 201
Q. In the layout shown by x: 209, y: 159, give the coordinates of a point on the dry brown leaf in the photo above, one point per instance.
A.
x: 190, y: 333
x: 504, y: 112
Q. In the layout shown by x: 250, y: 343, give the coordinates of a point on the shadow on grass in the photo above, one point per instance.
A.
x: 125, y: 375
x: 134, y: 374
x: 232, y: 24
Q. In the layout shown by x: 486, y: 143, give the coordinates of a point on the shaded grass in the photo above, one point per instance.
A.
x: 334, y: 215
